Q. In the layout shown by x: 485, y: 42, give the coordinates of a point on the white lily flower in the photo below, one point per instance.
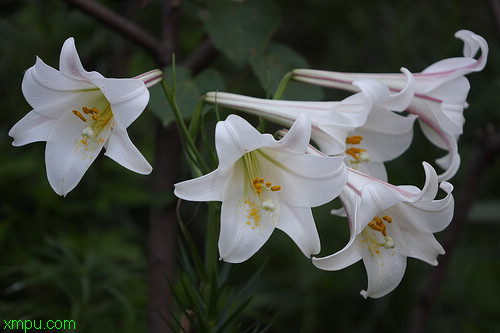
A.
x: 388, y: 224
x: 78, y: 113
x: 440, y: 94
x: 265, y: 184
x: 361, y: 126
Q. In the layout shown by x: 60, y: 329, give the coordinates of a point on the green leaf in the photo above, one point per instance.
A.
x: 241, y: 28
x: 279, y: 59
x: 209, y: 80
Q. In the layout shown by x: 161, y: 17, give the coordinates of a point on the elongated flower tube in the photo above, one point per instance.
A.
x: 360, y: 126
x: 440, y: 94
x: 78, y: 113
x: 265, y: 184
x: 388, y: 224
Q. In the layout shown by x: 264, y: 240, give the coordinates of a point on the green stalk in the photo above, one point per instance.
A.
x: 190, y: 146
x: 283, y: 85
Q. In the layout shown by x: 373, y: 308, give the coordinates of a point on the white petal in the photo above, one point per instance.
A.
x: 68, y: 155
x: 69, y: 61
x: 51, y: 93
x: 235, y: 137
x: 386, y: 135
x: 374, y: 169
x: 349, y: 255
x: 297, y: 138
x: 442, y: 108
x: 423, y: 246
x: 451, y: 161
x: 122, y: 150
x: 378, y: 94
x: 31, y: 128
x: 209, y: 187
x: 298, y: 223
x: 385, y: 270
x: 127, y: 97
x: 150, y: 78
x: 305, y: 180
x: 245, y: 225
x: 425, y: 216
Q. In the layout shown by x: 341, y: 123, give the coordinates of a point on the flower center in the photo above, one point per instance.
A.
x: 258, y: 202
x: 96, y: 120
x: 258, y: 183
x: 358, y: 154
x: 378, y: 225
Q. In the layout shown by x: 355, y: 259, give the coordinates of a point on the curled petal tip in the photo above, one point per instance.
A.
x: 446, y: 186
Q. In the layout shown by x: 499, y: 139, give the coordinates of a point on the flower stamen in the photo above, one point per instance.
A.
x: 359, y: 154
x: 378, y: 224
x: 354, y: 140
x: 79, y: 115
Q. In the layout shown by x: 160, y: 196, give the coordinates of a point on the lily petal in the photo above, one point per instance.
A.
x: 234, y: 137
x: 32, y: 127
x: 298, y: 224
x: 209, y: 187
x: 127, y: 97
x: 306, y: 181
x: 245, y: 226
x: 122, y: 150
x: 68, y: 155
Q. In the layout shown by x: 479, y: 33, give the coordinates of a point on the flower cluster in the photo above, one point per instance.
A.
x: 265, y: 183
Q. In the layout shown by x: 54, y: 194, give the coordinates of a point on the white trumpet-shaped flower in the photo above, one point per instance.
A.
x: 78, y: 113
x: 440, y: 94
x: 265, y: 184
x: 388, y: 224
x: 360, y: 126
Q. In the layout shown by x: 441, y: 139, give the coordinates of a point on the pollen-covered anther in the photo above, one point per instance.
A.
x: 378, y: 225
x: 79, y: 115
x: 354, y: 140
x: 357, y: 153
x: 258, y: 182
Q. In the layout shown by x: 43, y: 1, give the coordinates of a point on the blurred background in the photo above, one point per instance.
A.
x: 85, y: 257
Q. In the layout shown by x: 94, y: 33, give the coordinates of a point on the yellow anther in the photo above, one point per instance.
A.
x: 275, y: 188
x: 255, y: 180
x: 268, y: 184
x: 86, y: 110
x: 378, y: 225
x: 355, y: 152
x: 96, y: 118
x: 95, y: 110
x: 354, y: 140
x: 79, y: 115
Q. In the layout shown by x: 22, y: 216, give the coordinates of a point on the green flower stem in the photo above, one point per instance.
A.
x: 283, y: 85
x: 211, y: 248
x: 194, y: 125
x: 190, y: 146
